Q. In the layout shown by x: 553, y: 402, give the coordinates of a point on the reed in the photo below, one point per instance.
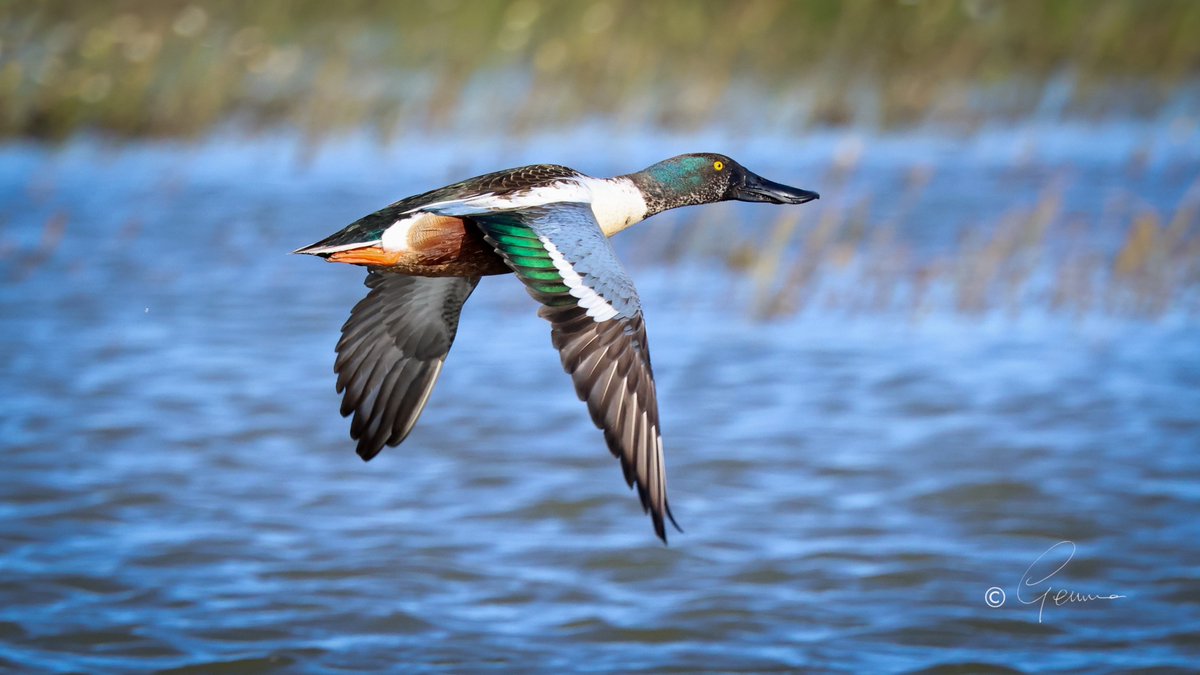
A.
x: 165, y: 67
x: 1032, y: 260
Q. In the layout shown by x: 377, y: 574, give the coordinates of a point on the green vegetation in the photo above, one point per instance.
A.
x: 166, y: 68
x: 160, y: 67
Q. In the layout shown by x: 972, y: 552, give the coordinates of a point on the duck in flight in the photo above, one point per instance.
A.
x: 550, y: 226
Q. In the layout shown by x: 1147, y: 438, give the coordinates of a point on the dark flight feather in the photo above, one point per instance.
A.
x: 391, y: 352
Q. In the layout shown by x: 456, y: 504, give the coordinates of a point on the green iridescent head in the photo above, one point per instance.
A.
x: 703, y: 178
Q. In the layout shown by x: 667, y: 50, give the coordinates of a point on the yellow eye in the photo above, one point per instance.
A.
x: 718, y: 165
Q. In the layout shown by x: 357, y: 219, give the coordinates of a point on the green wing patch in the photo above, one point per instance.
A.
x: 529, y: 259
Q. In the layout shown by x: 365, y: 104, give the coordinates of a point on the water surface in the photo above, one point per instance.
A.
x: 179, y: 492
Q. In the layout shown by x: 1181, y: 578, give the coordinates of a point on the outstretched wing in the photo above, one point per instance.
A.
x: 391, y: 352
x: 568, y: 265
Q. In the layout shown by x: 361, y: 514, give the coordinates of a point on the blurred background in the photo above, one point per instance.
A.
x: 980, y: 342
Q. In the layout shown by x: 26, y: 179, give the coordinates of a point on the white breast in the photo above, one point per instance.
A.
x: 616, y: 203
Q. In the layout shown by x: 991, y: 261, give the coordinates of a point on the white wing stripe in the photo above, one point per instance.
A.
x: 597, y: 307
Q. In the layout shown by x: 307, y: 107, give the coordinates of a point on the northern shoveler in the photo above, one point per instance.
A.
x: 548, y: 224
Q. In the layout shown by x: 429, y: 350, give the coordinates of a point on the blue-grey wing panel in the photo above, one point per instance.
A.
x: 567, y: 264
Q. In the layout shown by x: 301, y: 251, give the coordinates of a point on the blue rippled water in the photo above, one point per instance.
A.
x: 178, y: 492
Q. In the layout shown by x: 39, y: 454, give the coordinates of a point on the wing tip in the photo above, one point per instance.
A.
x: 671, y: 516
x: 368, y: 449
x: 660, y: 523
x: 370, y: 446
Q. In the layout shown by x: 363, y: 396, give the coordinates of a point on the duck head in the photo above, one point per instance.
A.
x: 704, y: 178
